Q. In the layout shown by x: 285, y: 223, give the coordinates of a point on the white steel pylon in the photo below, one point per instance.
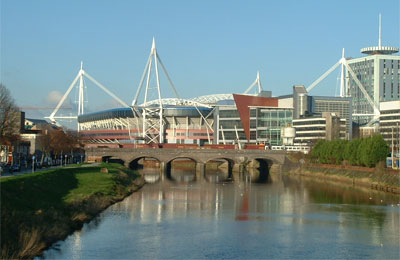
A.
x: 343, y: 90
x: 81, y: 98
x: 256, y: 82
x: 151, y: 114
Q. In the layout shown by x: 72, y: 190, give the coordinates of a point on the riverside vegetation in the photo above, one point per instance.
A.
x: 360, y: 162
x: 41, y: 208
x: 361, y: 152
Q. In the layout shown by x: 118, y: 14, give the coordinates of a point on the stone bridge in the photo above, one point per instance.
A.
x: 235, y: 158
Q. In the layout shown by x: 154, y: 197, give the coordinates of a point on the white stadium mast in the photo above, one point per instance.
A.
x: 81, y: 98
x: 257, y: 83
x: 345, y: 91
x: 149, y: 112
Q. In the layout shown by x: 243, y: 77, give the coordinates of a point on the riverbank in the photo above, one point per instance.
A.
x: 374, y: 178
x: 41, y: 208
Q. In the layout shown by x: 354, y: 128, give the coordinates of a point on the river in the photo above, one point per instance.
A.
x: 283, y: 218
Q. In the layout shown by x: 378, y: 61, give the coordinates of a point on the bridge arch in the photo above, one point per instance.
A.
x: 112, y: 159
x: 224, y: 169
x: 139, y: 162
x: 148, y: 166
x: 181, y: 168
x: 260, y: 169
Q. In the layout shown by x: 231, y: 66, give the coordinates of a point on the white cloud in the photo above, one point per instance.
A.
x: 111, y: 103
x: 53, y: 97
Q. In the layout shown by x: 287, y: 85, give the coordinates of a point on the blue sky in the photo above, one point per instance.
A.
x: 207, y: 47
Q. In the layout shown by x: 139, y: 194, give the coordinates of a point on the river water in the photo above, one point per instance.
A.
x: 284, y: 218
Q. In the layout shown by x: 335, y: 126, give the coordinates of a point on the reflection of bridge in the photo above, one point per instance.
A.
x: 236, y: 158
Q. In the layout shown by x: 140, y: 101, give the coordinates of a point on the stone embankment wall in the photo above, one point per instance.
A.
x: 381, y: 179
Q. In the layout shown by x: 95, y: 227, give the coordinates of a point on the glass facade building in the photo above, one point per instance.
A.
x: 265, y: 124
x: 270, y: 121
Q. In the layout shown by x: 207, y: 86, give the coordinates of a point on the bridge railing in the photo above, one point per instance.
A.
x: 179, y: 146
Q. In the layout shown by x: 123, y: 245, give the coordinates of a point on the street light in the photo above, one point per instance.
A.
x: 392, y: 147
x: 398, y: 145
x: 33, y: 163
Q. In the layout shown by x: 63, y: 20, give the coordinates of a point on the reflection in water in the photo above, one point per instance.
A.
x: 217, y: 176
x: 183, y: 176
x: 292, y: 218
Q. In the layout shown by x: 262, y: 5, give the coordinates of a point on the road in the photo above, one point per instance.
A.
x: 25, y: 170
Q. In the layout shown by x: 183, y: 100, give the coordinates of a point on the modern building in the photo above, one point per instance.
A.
x: 379, y: 73
x: 389, y: 126
x: 341, y: 106
x: 251, y: 119
x: 305, y: 106
x: 230, y: 119
x: 189, y: 125
x: 328, y: 126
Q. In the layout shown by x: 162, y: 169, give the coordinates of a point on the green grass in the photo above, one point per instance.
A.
x: 43, y: 207
x: 90, y: 184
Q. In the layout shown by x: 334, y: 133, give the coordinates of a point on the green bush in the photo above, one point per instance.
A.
x: 351, y: 152
x: 364, y: 152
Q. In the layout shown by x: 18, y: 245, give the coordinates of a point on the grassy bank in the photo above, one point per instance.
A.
x: 41, y: 208
x: 377, y: 178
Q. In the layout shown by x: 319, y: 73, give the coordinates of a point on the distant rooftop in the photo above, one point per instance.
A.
x: 37, y: 121
x: 379, y: 50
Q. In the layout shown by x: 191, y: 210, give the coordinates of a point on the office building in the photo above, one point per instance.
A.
x: 379, y: 74
x: 328, y: 126
x: 251, y: 119
x: 389, y: 126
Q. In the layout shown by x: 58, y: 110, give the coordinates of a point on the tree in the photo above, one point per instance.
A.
x: 61, y: 142
x: 9, y: 116
x: 44, y: 141
x: 367, y: 152
x: 351, y: 152
x: 379, y: 149
x: 337, y: 149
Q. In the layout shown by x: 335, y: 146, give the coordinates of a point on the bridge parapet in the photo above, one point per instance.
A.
x: 198, y: 155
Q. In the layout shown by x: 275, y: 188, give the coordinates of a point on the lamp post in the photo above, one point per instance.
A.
x: 33, y: 163
x: 392, y: 147
x: 398, y: 144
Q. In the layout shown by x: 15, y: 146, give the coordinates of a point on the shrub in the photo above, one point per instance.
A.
x: 365, y: 152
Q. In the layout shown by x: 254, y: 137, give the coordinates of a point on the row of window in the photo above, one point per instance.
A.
x: 191, y: 134
x: 394, y: 111
x: 390, y: 117
x: 313, y: 122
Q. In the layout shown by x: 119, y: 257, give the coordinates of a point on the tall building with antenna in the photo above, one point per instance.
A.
x: 379, y: 73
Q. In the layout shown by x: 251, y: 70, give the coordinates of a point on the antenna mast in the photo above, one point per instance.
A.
x: 380, y: 30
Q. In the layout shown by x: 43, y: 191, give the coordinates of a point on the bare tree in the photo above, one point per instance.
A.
x: 45, y: 142
x: 63, y: 142
x: 9, y: 116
